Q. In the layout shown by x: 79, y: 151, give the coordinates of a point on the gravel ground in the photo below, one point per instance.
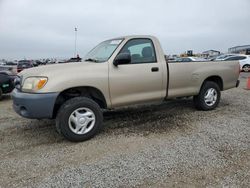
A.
x: 160, y: 145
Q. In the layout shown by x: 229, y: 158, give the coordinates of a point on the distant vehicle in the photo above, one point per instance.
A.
x: 62, y: 62
x: 35, y: 63
x: 6, y: 82
x: 243, y: 59
x: 2, y: 63
x: 190, y: 59
x: 74, y: 59
x: 11, y: 63
x: 222, y: 57
x: 49, y: 62
x: 71, y: 60
x: 38, y: 62
x: 24, y: 64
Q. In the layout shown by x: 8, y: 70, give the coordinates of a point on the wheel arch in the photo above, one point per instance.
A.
x: 216, y: 79
x: 87, y: 91
x: 246, y: 64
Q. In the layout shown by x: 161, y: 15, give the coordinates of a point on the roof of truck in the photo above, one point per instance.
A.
x: 133, y: 36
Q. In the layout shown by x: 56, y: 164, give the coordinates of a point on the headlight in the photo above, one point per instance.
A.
x: 33, y: 84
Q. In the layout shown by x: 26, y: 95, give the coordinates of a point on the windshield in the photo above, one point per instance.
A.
x: 103, y: 51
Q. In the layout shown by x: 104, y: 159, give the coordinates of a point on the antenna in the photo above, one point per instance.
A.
x: 75, y: 40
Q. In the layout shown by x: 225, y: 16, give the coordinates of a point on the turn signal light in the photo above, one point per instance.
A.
x: 41, y: 83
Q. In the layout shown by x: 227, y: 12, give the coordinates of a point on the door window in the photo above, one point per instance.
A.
x: 141, y: 51
x: 236, y: 58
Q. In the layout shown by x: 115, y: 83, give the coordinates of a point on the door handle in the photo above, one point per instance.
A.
x: 155, y: 69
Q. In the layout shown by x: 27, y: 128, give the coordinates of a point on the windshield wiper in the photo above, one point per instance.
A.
x: 92, y: 60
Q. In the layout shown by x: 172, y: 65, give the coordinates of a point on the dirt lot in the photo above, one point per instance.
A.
x: 158, y: 145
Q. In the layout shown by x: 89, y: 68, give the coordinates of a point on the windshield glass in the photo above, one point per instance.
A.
x: 103, y: 51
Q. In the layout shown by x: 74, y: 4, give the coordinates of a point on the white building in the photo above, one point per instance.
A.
x: 210, y: 53
x: 240, y: 49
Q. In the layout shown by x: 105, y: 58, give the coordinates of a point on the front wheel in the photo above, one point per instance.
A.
x: 79, y: 119
x: 209, y: 96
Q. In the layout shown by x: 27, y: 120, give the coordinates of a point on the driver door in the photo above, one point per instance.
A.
x: 141, y: 79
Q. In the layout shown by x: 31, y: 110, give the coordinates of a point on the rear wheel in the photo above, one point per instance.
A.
x: 79, y: 119
x: 209, y: 96
x: 246, y: 68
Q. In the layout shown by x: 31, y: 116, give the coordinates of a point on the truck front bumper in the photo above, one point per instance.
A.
x: 34, y: 106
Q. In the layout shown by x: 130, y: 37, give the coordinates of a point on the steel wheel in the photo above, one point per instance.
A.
x: 82, y: 121
x: 210, y: 97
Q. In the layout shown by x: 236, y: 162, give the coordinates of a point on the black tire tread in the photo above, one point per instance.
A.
x: 62, y: 126
x: 199, y: 99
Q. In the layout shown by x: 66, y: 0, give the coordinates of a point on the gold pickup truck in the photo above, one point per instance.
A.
x: 117, y: 72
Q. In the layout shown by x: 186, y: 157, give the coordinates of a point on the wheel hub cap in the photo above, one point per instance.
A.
x: 82, y: 121
x: 211, y: 97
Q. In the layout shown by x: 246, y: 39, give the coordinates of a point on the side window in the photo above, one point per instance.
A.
x: 242, y: 57
x: 230, y: 59
x: 236, y: 58
x: 141, y: 51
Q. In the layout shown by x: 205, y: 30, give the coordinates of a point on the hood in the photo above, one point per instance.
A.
x: 60, y: 69
x: 68, y: 75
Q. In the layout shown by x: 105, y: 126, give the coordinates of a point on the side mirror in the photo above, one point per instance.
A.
x: 122, y: 58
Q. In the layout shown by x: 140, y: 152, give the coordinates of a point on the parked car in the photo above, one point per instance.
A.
x: 38, y: 62
x: 49, y: 62
x: 243, y: 59
x: 118, y: 72
x: 222, y: 57
x: 11, y: 63
x: 62, y: 61
x: 6, y: 82
x: 24, y: 64
x: 2, y: 63
x: 190, y: 59
x: 74, y: 59
x: 12, y: 69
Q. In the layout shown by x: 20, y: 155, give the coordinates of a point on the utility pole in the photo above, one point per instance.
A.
x: 75, y: 41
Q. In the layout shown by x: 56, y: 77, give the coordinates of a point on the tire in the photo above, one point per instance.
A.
x: 212, y: 101
x: 1, y: 93
x: 246, y: 68
x: 75, y: 113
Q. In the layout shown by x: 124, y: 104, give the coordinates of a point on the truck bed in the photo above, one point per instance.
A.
x: 186, y: 78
